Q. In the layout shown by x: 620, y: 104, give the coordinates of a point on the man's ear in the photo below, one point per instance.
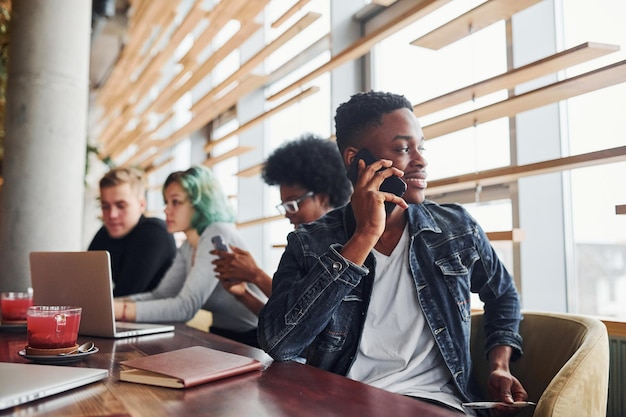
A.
x: 143, y: 204
x: 348, y: 155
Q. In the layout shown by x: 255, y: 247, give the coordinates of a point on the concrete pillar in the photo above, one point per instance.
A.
x: 45, y: 143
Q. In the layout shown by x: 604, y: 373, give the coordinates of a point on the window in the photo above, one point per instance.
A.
x: 422, y: 74
x: 595, y: 121
x: 590, y: 122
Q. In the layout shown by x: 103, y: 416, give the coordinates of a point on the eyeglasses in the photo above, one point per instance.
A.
x: 291, y: 206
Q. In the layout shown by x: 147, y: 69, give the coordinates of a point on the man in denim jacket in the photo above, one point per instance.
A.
x: 385, y: 299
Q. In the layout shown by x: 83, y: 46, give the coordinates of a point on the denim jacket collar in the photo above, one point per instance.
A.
x: 420, y: 219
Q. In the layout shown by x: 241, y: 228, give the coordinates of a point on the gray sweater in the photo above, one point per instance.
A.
x: 188, y: 286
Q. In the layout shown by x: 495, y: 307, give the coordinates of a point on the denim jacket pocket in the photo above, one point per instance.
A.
x: 456, y: 270
x: 334, y: 336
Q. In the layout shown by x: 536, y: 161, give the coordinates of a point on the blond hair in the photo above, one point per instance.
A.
x: 121, y: 175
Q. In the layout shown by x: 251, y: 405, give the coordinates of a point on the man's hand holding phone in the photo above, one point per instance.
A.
x: 378, y: 180
x: 378, y: 188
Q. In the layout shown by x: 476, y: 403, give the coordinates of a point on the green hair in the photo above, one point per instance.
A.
x: 205, y: 195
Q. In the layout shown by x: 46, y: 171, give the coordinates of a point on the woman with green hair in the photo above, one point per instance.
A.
x: 195, y: 205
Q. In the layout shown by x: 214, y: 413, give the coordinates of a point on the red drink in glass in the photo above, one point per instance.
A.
x: 52, y: 327
x: 14, y: 305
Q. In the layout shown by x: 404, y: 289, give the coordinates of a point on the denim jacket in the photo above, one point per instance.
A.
x: 320, y: 299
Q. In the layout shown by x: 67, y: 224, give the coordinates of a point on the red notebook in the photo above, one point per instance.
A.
x: 187, y: 367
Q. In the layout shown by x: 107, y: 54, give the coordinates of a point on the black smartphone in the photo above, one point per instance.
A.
x: 393, y: 184
x: 218, y: 243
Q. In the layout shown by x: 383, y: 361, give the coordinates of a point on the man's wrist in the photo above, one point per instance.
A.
x: 500, y: 357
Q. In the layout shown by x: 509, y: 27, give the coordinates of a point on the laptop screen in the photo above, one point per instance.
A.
x: 82, y: 279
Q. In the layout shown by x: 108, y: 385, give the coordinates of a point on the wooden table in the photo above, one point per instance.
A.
x: 283, y: 389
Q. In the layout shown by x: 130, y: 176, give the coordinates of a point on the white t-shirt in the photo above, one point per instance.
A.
x: 397, y: 351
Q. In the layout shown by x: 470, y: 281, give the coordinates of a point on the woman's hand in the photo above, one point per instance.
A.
x: 238, y: 266
x: 240, y: 290
x: 236, y: 288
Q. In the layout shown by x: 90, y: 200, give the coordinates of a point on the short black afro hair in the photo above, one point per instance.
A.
x: 312, y: 162
x: 362, y: 111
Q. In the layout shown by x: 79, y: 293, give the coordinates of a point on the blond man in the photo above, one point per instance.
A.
x: 141, y: 248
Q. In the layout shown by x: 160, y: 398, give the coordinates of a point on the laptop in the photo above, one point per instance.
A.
x: 83, y: 279
x: 29, y: 382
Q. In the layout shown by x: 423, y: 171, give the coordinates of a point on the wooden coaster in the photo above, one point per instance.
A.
x: 13, y: 322
x: 49, y: 352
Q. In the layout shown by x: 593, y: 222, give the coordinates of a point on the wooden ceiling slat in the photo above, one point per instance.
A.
x: 203, y: 108
x: 417, y: 10
x: 142, y: 140
x: 239, y: 150
x: 476, y: 19
x: 258, y: 58
x: 508, y: 80
x: 226, y: 11
x: 173, y: 92
x: 251, y: 171
x: 221, y: 104
x: 157, y: 20
x: 512, y: 173
x: 137, y: 35
x: 148, y: 161
x: 111, y: 129
x: 164, y: 29
x: 126, y: 95
x: 322, y: 45
x: 571, y: 87
x: 253, y: 122
x: 127, y: 139
x: 292, y: 10
x: 261, y: 220
x: 172, y: 95
x: 251, y: 11
x: 514, y: 235
x: 221, y: 14
x: 191, y: 20
x: 205, y: 115
x: 155, y: 167
x: 385, y: 3
x: 110, y: 86
x: 154, y: 68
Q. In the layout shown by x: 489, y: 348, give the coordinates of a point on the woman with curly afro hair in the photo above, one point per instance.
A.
x: 312, y: 179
